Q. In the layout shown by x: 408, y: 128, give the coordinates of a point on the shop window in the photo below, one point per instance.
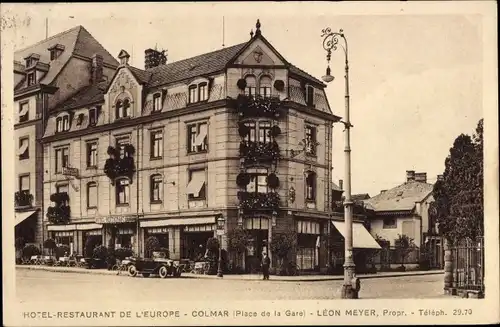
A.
x: 156, y: 183
x: 24, y: 112
x: 197, y: 137
x: 92, y: 195
x: 156, y: 144
x: 24, y: 152
x: 61, y: 159
x: 122, y: 192
x: 124, y: 241
x: 92, y: 154
x: 311, y: 186
x: 196, y: 188
x: 389, y: 223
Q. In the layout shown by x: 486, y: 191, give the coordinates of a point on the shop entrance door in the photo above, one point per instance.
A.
x: 195, y: 245
x: 257, y: 245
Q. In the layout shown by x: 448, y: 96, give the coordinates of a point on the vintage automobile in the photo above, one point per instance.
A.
x: 159, y: 265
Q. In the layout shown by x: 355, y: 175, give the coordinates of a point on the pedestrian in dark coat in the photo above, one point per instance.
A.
x: 266, y: 262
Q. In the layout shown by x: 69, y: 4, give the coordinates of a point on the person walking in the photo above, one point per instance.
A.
x: 266, y: 262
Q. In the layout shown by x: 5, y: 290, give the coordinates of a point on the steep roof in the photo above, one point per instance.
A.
x: 360, y: 197
x: 400, y: 198
x: 76, y: 41
x: 85, y: 96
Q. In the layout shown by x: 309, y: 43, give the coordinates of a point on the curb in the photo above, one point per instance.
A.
x: 188, y: 275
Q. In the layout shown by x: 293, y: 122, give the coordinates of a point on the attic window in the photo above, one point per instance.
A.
x: 157, y: 102
x: 62, y: 124
x: 92, y: 117
x: 31, y: 78
x: 310, y: 95
x: 79, y: 120
x: 55, y: 51
x: 400, y: 193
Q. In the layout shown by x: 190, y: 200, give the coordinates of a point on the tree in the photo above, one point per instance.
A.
x: 238, y: 241
x: 458, y: 208
x: 404, y: 245
x: 281, y: 245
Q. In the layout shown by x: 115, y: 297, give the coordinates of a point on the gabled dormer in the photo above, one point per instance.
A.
x: 34, y: 69
x: 31, y: 60
x: 55, y: 51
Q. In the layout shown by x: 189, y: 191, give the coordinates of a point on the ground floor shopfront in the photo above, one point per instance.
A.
x: 28, y: 224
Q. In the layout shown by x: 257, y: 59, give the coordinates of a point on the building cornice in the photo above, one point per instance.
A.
x: 33, y: 89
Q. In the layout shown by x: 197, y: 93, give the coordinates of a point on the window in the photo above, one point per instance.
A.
x: 121, y: 143
x: 66, y: 123
x: 311, y: 186
x: 24, y: 152
x: 264, y: 132
x: 157, y: 102
x: 251, y: 88
x: 62, y: 159
x: 59, y: 126
x: 156, y: 144
x: 197, y: 137
x: 310, y: 140
x: 265, y: 87
x: 202, y: 91
x: 23, y: 112
x: 122, y: 108
x: 79, y: 120
x: 31, y: 79
x: 54, y: 53
x: 258, y: 183
x: 24, y: 182
x: 124, y: 239
x: 92, y: 117
x: 122, y: 192
x: 196, y: 186
x: 389, y: 223
x: 92, y: 154
x: 62, y: 188
x: 252, y: 131
x: 92, y: 195
x: 310, y: 95
x: 192, y: 94
x: 156, y: 188
x: 62, y: 124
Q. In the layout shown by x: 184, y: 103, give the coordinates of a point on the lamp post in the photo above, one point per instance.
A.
x: 220, y: 231
x: 331, y: 43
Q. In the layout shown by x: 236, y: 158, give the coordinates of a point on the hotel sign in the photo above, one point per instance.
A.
x: 69, y: 171
x: 115, y: 219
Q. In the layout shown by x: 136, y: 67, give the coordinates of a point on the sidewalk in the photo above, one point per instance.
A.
x: 247, y: 277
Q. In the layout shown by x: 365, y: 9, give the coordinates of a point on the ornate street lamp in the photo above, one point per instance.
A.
x: 220, y: 231
x: 331, y: 43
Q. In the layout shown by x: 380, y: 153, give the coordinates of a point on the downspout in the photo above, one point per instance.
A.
x: 139, y: 154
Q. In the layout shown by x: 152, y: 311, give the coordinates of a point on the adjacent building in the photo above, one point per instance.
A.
x: 46, y: 74
x: 238, y: 133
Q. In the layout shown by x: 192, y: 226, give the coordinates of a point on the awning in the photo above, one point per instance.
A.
x: 178, y: 221
x: 88, y: 226
x: 22, y: 216
x: 201, y: 136
x: 54, y: 228
x: 361, y: 238
x: 23, y: 147
x: 195, y: 185
x: 24, y: 110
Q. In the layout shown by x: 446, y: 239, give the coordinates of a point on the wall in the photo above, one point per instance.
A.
x: 391, y: 234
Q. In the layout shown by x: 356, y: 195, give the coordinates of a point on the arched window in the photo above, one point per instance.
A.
x: 122, y: 191
x: 311, y: 186
x: 92, y: 195
x: 192, y: 93
x: 265, y: 86
x: 126, y: 108
x: 156, y: 182
x: 251, y: 87
x: 118, y: 109
x: 202, y: 91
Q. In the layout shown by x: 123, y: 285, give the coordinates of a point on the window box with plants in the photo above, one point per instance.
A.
x: 258, y: 106
x: 60, y: 212
x: 23, y: 198
x: 120, y: 166
x: 259, y: 151
x: 252, y: 200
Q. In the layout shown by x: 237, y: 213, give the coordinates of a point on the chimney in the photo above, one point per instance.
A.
x: 421, y: 177
x: 440, y: 178
x: 382, y: 191
x: 154, y: 58
x: 97, y: 69
x: 410, y: 175
x: 341, y: 184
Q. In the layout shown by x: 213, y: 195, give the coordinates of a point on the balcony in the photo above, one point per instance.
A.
x: 255, y: 152
x: 23, y: 199
x: 259, y: 201
x: 258, y: 106
x: 117, y: 166
x: 59, y: 213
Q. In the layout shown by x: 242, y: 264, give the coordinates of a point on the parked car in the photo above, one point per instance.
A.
x: 159, y: 265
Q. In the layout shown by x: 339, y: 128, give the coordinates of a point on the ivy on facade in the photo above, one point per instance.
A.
x: 120, y: 166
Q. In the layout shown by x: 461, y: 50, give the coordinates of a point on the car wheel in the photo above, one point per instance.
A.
x: 163, y: 272
x: 145, y: 275
x: 132, y: 271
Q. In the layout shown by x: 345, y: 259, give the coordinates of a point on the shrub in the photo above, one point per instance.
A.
x: 20, y: 242
x: 122, y: 253
x: 30, y: 250
x: 100, y: 252
x: 90, y: 244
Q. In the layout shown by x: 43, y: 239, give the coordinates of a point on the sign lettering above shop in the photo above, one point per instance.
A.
x: 115, y: 219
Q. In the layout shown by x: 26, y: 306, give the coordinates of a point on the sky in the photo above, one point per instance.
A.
x: 415, y: 80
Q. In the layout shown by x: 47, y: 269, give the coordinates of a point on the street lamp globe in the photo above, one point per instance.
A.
x: 328, y: 77
x: 221, y: 221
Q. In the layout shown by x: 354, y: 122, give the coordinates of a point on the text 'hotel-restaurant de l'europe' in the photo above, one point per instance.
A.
x: 107, y: 150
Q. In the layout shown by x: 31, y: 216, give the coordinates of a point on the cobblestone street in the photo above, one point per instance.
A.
x: 34, y: 285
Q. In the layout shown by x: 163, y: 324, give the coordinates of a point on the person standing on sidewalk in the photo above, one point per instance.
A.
x: 266, y: 262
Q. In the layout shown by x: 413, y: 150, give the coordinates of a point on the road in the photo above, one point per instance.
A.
x: 32, y: 285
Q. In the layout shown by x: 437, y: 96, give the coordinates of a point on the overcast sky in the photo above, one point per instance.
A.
x: 415, y: 80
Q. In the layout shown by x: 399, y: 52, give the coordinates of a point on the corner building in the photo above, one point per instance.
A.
x: 164, y: 151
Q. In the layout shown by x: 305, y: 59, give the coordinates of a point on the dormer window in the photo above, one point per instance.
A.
x: 92, y: 117
x: 202, y: 92
x: 157, y: 102
x: 79, y: 120
x: 122, y: 108
x: 310, y: 95
x: 192, y: 94
x: 31, y: 78
x: 62, y: 124
x: 198, y: 92
x: 31, y: 60
x: 55, y: 51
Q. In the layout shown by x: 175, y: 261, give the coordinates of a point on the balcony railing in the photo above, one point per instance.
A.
x: 117, y: 166
x: 59, y: 213
x: 251, y: 200
x: 259, y: 151
x: 23, y: 199
x: 258, y: 106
